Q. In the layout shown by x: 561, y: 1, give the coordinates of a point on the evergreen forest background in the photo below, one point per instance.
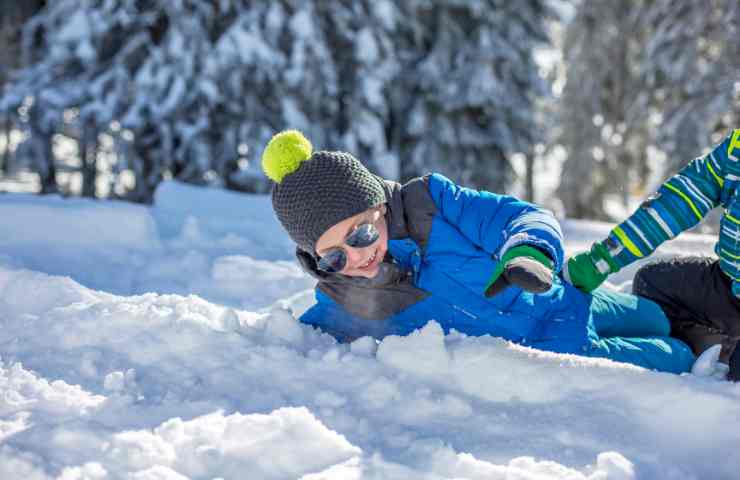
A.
x: 583, y: 106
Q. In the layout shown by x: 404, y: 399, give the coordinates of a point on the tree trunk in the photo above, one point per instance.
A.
x: 44, y: 154
x: 47, y: 171
x: 89, y: 158
x: 529, y: 178
x: 147, y: 170
x: 6, y: 151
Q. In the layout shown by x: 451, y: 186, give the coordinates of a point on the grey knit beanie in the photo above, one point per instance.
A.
x: 314, y: 191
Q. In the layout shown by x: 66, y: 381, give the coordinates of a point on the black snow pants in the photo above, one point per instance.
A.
x: 696, y: 297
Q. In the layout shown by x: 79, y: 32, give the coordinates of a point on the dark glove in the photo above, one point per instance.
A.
x: 523, y: 266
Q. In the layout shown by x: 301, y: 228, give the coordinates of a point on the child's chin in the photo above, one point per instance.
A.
x: 370, y: 273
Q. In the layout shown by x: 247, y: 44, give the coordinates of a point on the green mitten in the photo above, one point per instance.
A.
x: 588, y: 270
x: 524, y: 266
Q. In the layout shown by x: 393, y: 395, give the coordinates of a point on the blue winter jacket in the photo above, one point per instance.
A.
x: 463, y: 234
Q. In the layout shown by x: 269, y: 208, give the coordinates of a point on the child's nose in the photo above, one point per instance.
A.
x: 356, y: 256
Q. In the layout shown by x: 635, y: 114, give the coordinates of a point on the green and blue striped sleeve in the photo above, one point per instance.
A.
x: 678, y: 205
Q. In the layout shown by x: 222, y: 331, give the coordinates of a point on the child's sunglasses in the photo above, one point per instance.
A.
x: 335, y: 259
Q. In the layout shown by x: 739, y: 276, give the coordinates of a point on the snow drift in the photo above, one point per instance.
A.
x: 162, y: 343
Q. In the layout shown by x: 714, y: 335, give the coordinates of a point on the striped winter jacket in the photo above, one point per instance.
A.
x: 682, y: 202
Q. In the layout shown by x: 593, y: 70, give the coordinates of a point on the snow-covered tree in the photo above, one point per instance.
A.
x: 193, y: 89
x: 184, y: 86
x: 599, y: 117
x: 644, y: 79
x: 469, y: 86
x: 12, y: 16
x: 363, y: 39
x: 692, y: 70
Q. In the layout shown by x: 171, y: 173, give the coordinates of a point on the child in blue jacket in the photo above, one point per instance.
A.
x: 390, y: 258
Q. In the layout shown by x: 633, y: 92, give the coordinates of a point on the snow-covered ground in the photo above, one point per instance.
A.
x: 162, y: 343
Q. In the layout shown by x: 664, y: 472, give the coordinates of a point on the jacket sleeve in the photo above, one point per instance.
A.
x: 495, y: 222
x: 678, y: 205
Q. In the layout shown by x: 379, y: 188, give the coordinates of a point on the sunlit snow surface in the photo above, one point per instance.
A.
x: 161, y: 343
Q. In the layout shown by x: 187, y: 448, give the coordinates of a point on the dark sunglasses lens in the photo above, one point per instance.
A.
x: 364, y: 236
x: 334, y: 261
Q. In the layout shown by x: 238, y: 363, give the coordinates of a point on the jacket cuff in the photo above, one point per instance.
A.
x: 540, y: 244
x: 736, y: 288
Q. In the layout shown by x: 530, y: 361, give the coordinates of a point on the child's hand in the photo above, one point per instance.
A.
x: 523, y: 266
x: 582, y: 270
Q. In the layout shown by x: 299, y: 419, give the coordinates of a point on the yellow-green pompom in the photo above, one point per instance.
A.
x: 284, y: 154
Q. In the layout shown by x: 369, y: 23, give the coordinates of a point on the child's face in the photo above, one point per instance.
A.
x: 361, y: 262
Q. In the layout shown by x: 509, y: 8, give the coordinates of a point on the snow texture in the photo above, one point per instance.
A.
x: 162, y: 343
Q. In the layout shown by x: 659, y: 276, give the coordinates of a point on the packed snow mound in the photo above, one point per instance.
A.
x: 35, y: 221
x: 196, y: 367
x: 203, y: 241
x: 157, y: 385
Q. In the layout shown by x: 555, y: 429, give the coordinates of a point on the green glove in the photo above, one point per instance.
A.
x: 524, y: 266
x: 588, y: 270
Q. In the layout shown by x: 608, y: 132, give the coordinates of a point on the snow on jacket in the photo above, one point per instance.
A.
x: 444, y: 241
x: 682, y: 202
